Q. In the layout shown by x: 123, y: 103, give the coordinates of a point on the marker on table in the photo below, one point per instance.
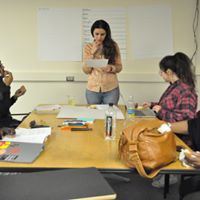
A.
x: 81, y: 129
x: 65, y: 128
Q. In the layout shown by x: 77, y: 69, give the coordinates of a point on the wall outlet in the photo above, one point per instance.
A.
x: 69, y: 78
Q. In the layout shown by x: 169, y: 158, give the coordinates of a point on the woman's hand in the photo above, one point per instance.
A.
x: 193, y: 159
x: 21, y: 91
x: 146, y: 105
x: 8, y: 78
x: 91, y: 49
x: 156, y: 108
x: 108, y: 69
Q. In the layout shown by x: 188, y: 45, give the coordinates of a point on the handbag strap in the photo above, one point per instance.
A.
x: 135, y: 156
x: 138, y: 165
x: 134, y: 138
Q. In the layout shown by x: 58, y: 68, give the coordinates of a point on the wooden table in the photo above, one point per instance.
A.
x: 67, y: 149
x: 76, y: 149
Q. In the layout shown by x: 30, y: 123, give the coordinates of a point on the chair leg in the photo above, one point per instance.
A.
x: 166, y: 186
x: 188, y: 186
x: 180, y: 186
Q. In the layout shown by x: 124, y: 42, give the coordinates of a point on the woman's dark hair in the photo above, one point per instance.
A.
x: 109, y: 45
x: 181, y: 65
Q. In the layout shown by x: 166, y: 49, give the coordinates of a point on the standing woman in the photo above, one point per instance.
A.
x: 102, y: 86
x: 179, y: 101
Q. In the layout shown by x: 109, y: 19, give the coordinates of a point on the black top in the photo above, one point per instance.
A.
x: 194, y: 132
x: 5, y: 103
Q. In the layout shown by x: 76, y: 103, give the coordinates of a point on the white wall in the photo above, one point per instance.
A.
x: 45, y: 81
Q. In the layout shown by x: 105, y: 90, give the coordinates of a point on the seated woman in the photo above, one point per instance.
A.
x: 179, y: 101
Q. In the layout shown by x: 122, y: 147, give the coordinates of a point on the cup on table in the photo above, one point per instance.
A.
x: 71, y: 100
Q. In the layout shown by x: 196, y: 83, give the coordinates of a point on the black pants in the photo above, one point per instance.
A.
x: 189, y: 185
x: 11, y: 123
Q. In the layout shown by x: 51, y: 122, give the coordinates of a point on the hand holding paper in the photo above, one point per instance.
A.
x: 97, y: 62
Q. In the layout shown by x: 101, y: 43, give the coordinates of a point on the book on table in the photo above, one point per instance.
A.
x: 65, y: 184
x: 25, y: 147
x: 19, y: 151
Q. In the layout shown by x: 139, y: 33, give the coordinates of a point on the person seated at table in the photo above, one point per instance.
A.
x: 191, y: 128
x: 6, y: 78
x: 179, y: 101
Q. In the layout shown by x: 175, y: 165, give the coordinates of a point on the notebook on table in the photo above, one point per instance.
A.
x: 19, y: 152
x: 145, y: 113
x: 73, y: 184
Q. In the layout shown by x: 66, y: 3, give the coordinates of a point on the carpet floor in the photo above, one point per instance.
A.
x: 141, y: 189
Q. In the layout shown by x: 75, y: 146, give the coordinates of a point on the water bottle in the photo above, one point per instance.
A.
x: 130, y: 108
x: 110, y: 122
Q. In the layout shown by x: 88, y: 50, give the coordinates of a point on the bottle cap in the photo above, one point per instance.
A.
x: 110, y: 104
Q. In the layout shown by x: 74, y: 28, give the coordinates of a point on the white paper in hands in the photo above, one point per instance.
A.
x: 97, y: 62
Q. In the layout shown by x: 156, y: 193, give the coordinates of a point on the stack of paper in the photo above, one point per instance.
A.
x: 26, y: 135
x: 47, y: 108
x: 97, y: 62
x: 86, y: 112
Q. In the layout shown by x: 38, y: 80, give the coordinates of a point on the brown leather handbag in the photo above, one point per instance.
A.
x: 142, y: 147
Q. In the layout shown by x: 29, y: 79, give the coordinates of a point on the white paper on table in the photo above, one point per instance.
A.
x: 27, y: 135
x: 86, y: 112
x: 47, y: 107
x: 97, y: 62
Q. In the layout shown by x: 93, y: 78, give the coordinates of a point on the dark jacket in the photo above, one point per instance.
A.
x: 5, y: 103
x: 194, y: 132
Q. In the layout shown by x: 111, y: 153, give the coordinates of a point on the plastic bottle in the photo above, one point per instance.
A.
x: 130, y: 108
x: 110, y: 122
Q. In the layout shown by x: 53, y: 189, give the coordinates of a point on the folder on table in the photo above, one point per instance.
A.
x: 145, y: 113
x: 19, y: 152
x: 74, y: 184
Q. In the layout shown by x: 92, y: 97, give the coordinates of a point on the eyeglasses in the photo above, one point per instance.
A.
x: 161, y: 72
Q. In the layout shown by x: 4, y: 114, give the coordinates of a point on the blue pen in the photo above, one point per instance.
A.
x: 76, y: 124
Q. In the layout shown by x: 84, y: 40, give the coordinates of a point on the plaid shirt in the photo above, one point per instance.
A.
x: 178, y: 102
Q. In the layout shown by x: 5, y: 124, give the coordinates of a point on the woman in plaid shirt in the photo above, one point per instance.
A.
x: 179, y: 101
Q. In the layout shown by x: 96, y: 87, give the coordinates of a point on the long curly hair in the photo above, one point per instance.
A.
x: 109, y: 45
x: 181, y: 65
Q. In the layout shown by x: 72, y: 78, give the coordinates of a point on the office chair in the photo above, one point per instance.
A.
x: 188, y: 185
x: 15, y: 123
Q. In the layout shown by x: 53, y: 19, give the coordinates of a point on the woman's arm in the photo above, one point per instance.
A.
x: 87, y: 54
x: 171, y: 112
x: 117, y: 67
x: 180, y: 127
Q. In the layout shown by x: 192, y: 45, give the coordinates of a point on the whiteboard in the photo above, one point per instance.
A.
x: 150, y: 28
x: 63, y: 31
x: 59, y: 34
